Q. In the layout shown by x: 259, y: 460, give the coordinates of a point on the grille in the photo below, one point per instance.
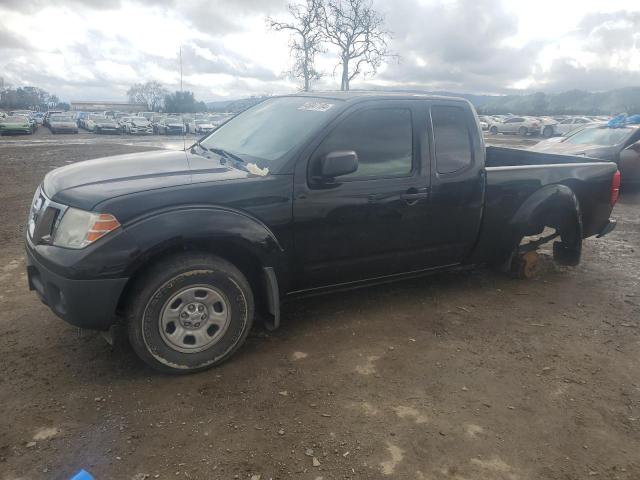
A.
x: 43, y: 217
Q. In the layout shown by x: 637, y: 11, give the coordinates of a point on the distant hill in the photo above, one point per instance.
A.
x: 572, y: 102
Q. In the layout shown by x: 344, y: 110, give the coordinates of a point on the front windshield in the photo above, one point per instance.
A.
x: 15, y: 118
x: 98, y: 118
x: 269, y: 130
x: 61, y: 118
x: 599, y: 136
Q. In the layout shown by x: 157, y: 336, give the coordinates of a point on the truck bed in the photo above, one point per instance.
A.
x: 514, y: 157
x: 513, y: 176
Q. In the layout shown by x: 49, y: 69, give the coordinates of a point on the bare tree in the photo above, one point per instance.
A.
x: 152, y: 94
x: 306, y: 38
x: 358, y: 31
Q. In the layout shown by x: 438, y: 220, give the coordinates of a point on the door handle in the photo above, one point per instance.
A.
x: 412, y: 195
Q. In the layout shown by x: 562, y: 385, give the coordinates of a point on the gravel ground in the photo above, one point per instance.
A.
x: 456, y: 376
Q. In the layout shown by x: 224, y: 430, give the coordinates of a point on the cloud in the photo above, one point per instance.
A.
x: 611, y: 32
x: 82, y: 49
x: 12, y: 41
x: 459, y: 45
x: 568, y: 74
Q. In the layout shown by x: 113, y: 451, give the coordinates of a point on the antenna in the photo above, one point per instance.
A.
x: 184, y: 127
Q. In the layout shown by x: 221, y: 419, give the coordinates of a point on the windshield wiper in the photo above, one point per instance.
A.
x: 200, y: 145
x: 225, y: 154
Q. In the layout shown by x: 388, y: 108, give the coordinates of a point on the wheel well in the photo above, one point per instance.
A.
x: 562, y: 219
x: 242, y: 258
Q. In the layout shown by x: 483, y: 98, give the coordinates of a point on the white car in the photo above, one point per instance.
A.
x: 484, y: 122
x: 136, y: 126
x: 517, y: 125
x: 204, y: 126
x: 565, y: 126
x: 89, y: 122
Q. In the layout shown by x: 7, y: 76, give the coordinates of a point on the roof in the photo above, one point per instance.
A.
x: 357, y: 95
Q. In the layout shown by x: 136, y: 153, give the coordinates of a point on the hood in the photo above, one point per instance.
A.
x: 140, y: 123
x: 565, y: 148
x: 63, y: 123
x: 14, y: 123
x: 86, y: 184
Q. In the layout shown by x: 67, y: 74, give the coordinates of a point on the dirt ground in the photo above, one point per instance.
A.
x: 466, y: 376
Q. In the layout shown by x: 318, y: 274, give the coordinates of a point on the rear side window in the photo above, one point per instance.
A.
x: 452, y: 138
x: 382, y: 138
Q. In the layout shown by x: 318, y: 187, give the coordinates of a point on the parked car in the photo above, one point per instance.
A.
x: 203, y: 126
x: 564, y: 126
x: 61, y: 123
x: 81, y: 118
x: 619, y: 145
x: 15, y: 124
x: 520, y: 125
x: 45, y: 119
x: 298, y: 195
x: 136, y: 126
x: 189, y: 124
x: 146, y: 115
x: 38, y: 117
x: 171, y: 126
x: 103, y: 125
x: 484, y: 122
x: 26, y: 113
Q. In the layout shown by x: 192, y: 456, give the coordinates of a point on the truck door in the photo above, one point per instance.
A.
x: 457, y: 180
x: 374, y: 221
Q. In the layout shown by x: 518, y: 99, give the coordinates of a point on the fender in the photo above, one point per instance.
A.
x: 201, y: 225
x: 536, y: 210
x: 552, y: 198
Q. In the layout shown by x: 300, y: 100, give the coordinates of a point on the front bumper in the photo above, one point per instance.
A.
x: 89, y: 304
x: 107, y: 130
x: 141, y: 131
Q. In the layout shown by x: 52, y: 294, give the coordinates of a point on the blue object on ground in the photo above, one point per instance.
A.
x: 617, y: 122
x: 633, y: 120
x: 82, y: 475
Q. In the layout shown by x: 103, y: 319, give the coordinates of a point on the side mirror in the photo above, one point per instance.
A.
x: 341, y: 162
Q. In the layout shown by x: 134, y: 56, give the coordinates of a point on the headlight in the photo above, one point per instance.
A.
x: 78, y: 228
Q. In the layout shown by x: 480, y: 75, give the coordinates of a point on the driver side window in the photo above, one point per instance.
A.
x: 381, y: 137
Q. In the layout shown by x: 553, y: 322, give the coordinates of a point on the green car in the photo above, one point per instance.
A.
x: 15, y: 124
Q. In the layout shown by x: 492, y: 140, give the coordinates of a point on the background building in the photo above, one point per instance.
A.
x: 98, y: 106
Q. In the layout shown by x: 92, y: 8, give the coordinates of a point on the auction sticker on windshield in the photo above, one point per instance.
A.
x: 316, y: 106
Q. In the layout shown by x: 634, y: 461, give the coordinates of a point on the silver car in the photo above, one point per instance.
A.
x: 516, y: 125
x: 62, y: 123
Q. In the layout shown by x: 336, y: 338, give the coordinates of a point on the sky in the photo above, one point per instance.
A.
x: 97, y: 49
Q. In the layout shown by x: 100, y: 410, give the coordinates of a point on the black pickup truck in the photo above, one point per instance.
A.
x: 299, y: 194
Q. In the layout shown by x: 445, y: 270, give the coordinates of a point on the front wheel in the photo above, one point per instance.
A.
x: 190, y: 313
x: 547, y: 132
x: 522, y: 131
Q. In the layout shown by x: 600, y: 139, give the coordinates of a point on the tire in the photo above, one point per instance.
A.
x: 163, y: 327
x: 522, y: 131
x: 547, y: 132
x: 494, y: 130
